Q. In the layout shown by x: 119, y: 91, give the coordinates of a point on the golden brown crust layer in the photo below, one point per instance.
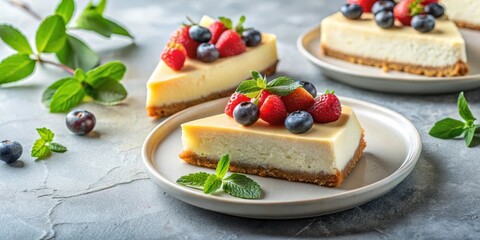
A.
x: 463, y: 24
x: 163, y: 111
x: 459, y: 69
x: 330, y: 180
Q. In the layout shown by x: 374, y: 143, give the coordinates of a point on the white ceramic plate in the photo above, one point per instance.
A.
x: 393, y: 148
x: 397, y: 82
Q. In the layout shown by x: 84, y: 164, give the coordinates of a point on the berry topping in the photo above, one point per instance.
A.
x: 273, y: 111
x: 174, y: 56
x: 200, y: 34
x: 435, y: 9
x: 217, y: 28
x: 327, y: 108
x: 383, y: 5
x: 230, y: 44
x: 207, y: 52
x: 234, y: 100
x: 80, y: 121
x: 309, y: 87
x: 385, y: 19
x: 406, y: 9
x: 252, y: 37
x: 365, y: 4
x: 299, y: 122
x: 10, y: 151
x: 246, y: 113
x: 182, y: 36
x: 300, y: 99
x: 351, y: 11
x: 263, y: 97
x: 423, y: 23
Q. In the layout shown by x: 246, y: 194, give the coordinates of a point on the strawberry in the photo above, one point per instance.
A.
x: 365, y: 4
x: 230, y: 44
x: 326, y: 108
x: 406, y: 9
x: 217, y: 28
x: 174, y: 55
x: 182, y: 36
x: 273, y: 111
x: 426, y: 2
x: 234, y: 100
x: 263, y: 97
x: 300, y: 99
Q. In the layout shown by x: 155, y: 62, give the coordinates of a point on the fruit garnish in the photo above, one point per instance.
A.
x: 10, y: 151
x: 217, y: 28
x: 182, y: 36
x: 351, y: 11
x: 199, y: 33
x: 207, y: 52
x: 235, y: 99
x: 174, y: 55
x: 80, y: 121
x: 43, y: 146
x: 263, y: 96
x: 299, y: 122
x: 300, y: 99
x: 423, y: 23
x: 252, y: 37
x: 385, y: 19
x: 326, y: 108
x: 230, y: 44
x: 273, y: 110
x: 281, y: 86
x: 406, y: 9
x: 365, y: 4
x: 309, y: 87
x: 246, y: 113
x: 382, y: 5
x: 435, y: 9
x: 227, y: 22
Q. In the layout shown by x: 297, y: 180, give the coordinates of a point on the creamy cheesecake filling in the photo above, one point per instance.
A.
x: 363, y: 38
x: 467, y: 11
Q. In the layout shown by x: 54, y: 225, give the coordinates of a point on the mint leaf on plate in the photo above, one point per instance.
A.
x: 15, y: 39
x: 195, y: 180
x: 16, y: 67
x: 241, y: 186
x: 212, y: 184
x: 222, y: 166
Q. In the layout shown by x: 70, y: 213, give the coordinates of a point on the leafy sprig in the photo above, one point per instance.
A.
x: 450, y: 128
x: 228, y: 23
x: 43, y: 146
x: 237, y: 185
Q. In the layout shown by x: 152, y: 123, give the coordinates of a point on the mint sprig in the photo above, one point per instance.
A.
x: 450, y: 128
x: 228, y: 23
x: 237, y: 185
x: 43, y: 146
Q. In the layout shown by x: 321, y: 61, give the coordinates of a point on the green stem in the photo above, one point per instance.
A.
x: 26, y: 8
x: 64, y: 67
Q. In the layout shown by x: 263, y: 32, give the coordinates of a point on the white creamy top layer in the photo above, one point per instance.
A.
x: 463, y: 10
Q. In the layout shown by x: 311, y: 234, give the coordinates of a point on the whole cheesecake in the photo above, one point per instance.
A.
x: 465, y: 13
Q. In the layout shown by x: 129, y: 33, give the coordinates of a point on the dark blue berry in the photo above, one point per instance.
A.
x: 383, y: 5
x: 423, y: 23
x: 299, y: 122
x: 80, y: 121
x: 352, y: 11
x: 199, y: 33
x: 10, y: 151
x: 435, y: 9
x: 309, y: 87
x: 246, y: 113
x: 207, y: 52
x: 385, y: 19
x: 252, y: 37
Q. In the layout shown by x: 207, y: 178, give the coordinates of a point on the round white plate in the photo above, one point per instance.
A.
x: 393, y: 148
x: 397, y: 82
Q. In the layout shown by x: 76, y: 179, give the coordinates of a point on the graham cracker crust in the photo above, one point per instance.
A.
x: 463, y: 24
x: 322, y: 179
x: 163, y: 111
x: 458, y: 69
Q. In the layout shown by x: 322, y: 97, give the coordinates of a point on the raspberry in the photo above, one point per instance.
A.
x: 174, y: 56
x: 235, y: 99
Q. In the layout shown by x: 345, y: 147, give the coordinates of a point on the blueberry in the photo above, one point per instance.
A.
x: 10, y: 151
x: 80, y: 121
x: 200, y: 34
x: 299, y: 122
x: 383, y: 5
x: 423, y: 23
x: 309, y: 87
x: 352, y: 11
x: 385, y: 19
x: 246, y: 113
x: 435, y: 9
x: 207, y: 52
x: 252, y: 37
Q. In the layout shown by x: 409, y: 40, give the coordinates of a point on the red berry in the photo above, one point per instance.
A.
x: 217, y: 28
x: 406, y: 9
x: 300, y: 99
x: 273, y: 111
x: 326, y: 108
x: 230, y: 44
x: 365, y: 4
x: 235, y: 99
x: 426, y: 2
x: 182, y: 36
x: 174, y: 56
x: 262, y: 97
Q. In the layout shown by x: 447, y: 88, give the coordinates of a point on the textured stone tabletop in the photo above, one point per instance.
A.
x: 99, y: 189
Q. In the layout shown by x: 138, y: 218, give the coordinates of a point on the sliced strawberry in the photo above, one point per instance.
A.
x: 217, y: 28
x: 263, y: 97
x: 326, y: 108
x: 230, y: 44
x: 182, y: 36
x: 234, y: 100
x: 300, y: 99
x: 365, y: 4
x: 273, y: 111
x: 174, y: 55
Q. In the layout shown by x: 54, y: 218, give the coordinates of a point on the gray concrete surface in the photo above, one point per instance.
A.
x: 99, y: 189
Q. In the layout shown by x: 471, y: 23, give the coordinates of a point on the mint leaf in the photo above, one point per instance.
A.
x: 248, y: 87
x: 16, y: 67
x: 76, y: 54
x: 195, y: 180
x: 282, y: 86
x: 93, y: 21
x: 447, y: 128
x: 46, y: 134
x: 65, y: 10
x: 51, y: 35
x: 15, y: 39
x: 469, y: 134
x: 43, y: 146
x: 97, y: 8
x: 226, y: 21
x: 68, y: 95
x: 256, y: 75
x: 80, y: 75
x: 222, y: 166
x: 56, y: 147
x: 241, y: 186
x: 40, y: 150
x: 110, y: 92
x: 463, y: 108
x: 111, y: 70
x: 50, y: 91
x: 118, y: 29
x: 239, y: 28
x: 212, y: 184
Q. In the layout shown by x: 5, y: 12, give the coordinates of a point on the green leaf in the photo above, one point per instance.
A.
x: 111, y: 92
x: 239, y: 28
x: 195, y: 180
x: 93, y: 21
x: 50, y: 91
x: 447, y: 128
x: 256, y: 75
x: 65, y: 10
x: 15, y: 39
x: 68, y: 95
x: 97, y: 8
x: 76, y: 54
x: 111, y: 70
x: 227, y: 22
x: 40, y: 150
x: 212, y: 184
x: 469, y: 134
x: 46, y: 134
x: 241, y: 186
x: 51, y: 35
x: 80, y: 75
x: 16, y: 67
x: 222, y: 166
x: 282, y: 86
x: 118, y: 29
x: 248, y: 86
x: 56, y: 147
x: 463, y: 108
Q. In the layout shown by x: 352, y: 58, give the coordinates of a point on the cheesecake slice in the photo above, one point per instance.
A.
x: 465, y: 13
x: 171, y: 91
x: 440, y: 52
x: 324, y: 155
